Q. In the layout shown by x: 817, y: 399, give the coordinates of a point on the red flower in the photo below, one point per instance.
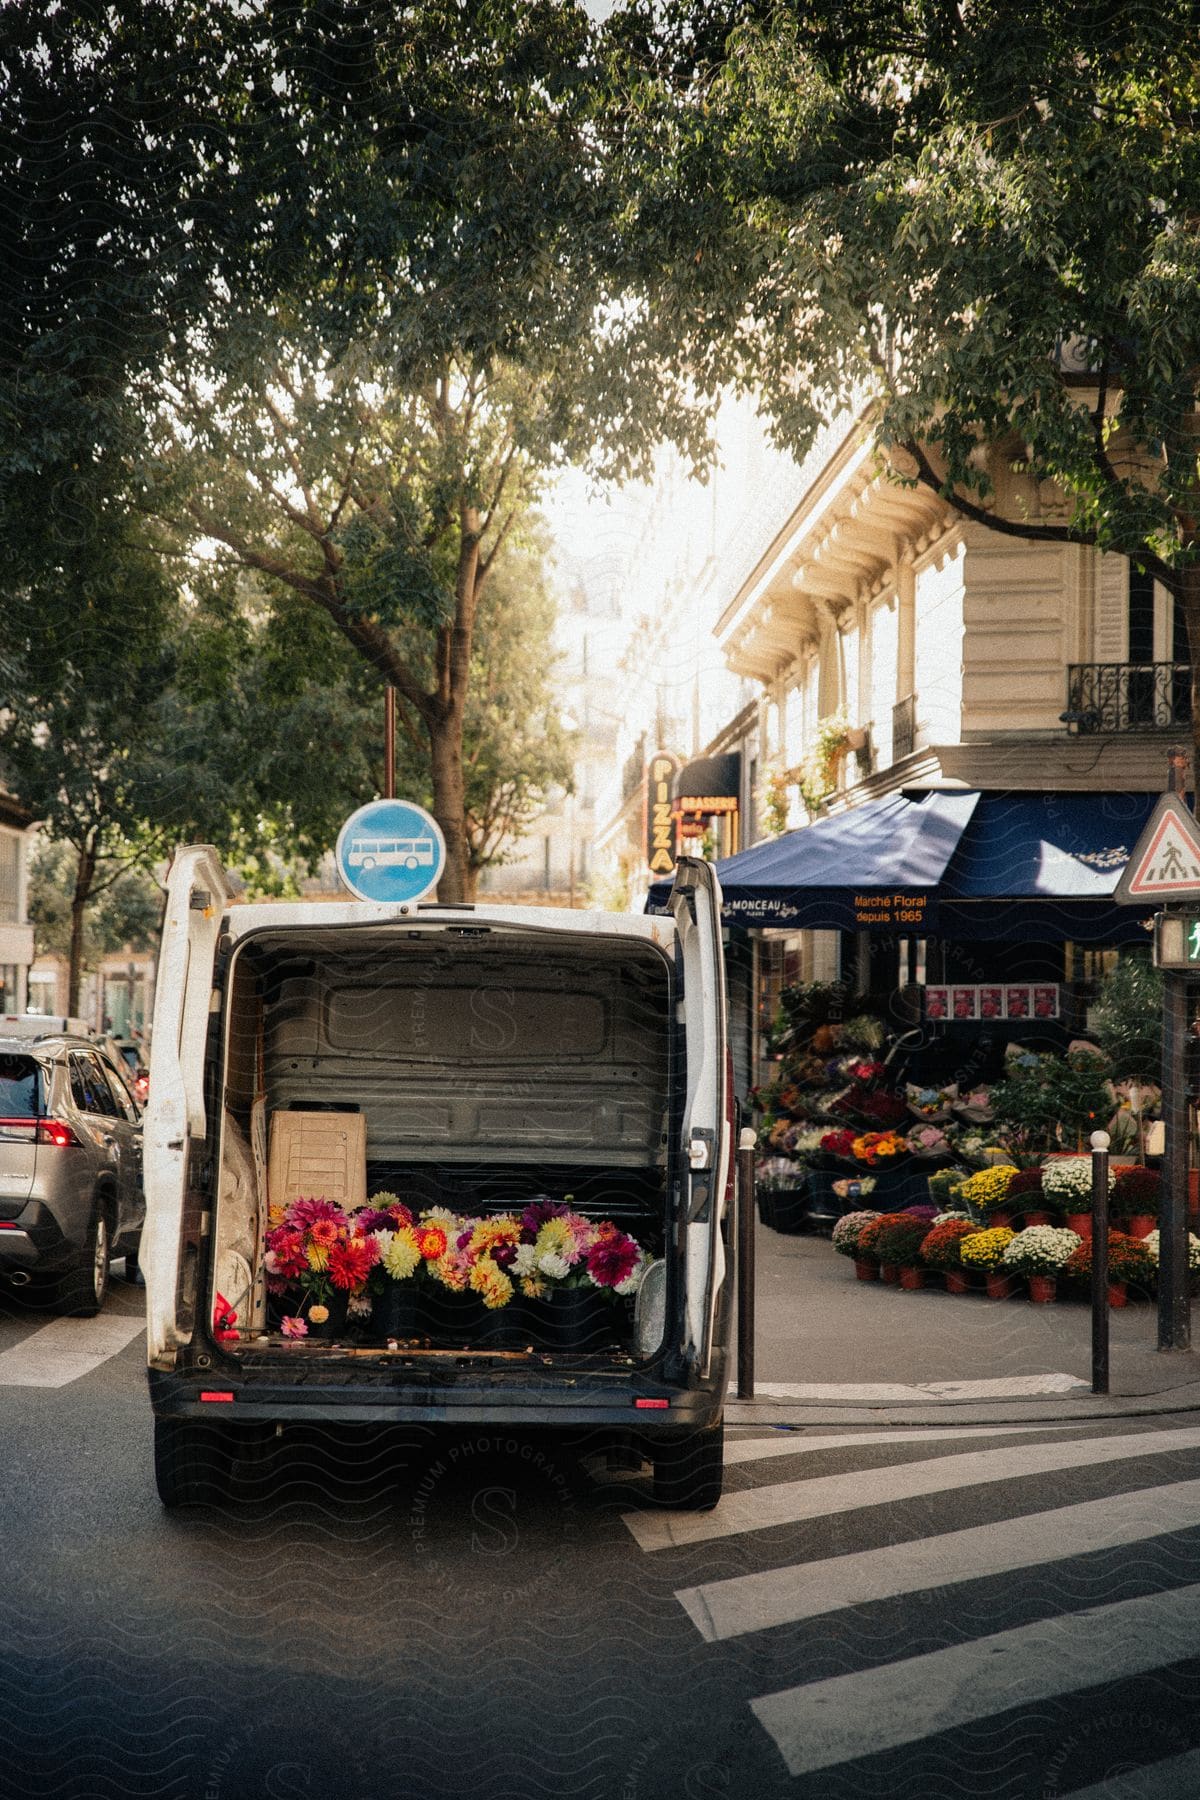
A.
x: 287, y: 1247
x: 351, y: 1261
x: 432, y: 1242
x: 612, y: 1258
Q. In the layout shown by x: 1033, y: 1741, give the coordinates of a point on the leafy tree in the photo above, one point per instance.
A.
x: 366, y: 263
x: 983, y: 220
x: 516, y: 750
x: 126, y: 906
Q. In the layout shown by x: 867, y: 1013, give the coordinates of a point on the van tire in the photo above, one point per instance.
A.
x: 689, y: 1473
x: 191, y: 1462
x: 82, y: 1291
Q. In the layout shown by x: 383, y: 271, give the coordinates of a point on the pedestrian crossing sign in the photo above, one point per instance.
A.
x: 1165, y: 864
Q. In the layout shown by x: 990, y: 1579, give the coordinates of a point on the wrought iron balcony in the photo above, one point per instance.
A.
x: 1128, y: 697
x: 904, y: 727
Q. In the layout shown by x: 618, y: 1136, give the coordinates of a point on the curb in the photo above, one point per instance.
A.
x: 1089, y: 1407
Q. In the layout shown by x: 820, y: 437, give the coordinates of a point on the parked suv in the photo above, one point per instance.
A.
x: 70, y: 1168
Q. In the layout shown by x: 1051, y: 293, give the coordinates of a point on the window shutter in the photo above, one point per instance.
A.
x: 1111, y: 635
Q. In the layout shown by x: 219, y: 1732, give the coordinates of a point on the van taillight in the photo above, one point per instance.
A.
x: 41, y: 1131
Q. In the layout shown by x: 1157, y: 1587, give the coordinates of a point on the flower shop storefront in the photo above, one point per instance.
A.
x: 966, y: 1024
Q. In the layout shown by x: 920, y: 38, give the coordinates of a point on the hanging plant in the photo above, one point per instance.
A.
x: 817, y: 774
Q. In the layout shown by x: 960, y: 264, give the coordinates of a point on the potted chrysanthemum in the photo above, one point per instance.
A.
x: 845, y: 1240
x: 984, y: 1251
x: 941, y: 1250
x: 1039, y: 1253
x: 986, y: 1193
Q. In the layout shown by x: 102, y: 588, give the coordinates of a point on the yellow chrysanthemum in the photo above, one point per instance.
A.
x: 555, y: 1238
x: 532, y: 1288
x: 491, y: 1283
x: 449, y: 1272
x: 402, y: 1255
x: 318, y: 1257
x: 985, y: 1249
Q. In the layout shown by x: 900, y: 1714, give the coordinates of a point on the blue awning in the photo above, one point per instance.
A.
x: 875, y: 867
x: 959, y: 866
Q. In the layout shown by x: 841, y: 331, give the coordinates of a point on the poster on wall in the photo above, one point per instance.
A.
x: 937, y: 1002
x: 1018, y: 1001
x: 1045, y: 1002
x: 991, y: 1002
x: 964, y: 1002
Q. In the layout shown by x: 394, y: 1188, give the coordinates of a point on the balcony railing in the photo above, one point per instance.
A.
x: 1128, y: 697
x: 904, y: 727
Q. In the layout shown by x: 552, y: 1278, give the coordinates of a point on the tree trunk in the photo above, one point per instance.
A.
x: 85, y: 875
x: 1189, y: 594
x: 445, y: 753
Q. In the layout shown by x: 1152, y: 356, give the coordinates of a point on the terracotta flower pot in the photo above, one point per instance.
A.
x: 912, y: 1278
x: 866, y: 1271
x: 1117, y: 1294
x: 999, y: 1217
x: 889, y: 1272
x: 1000, y: 1285
x: 1140, y: 1225
x: 1081, y: 1223
x: 1043, y: 1289
x: 1038, y: 1218
x: 958, y: 1281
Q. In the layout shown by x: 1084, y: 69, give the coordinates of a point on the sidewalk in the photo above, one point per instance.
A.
x: 833, y: 1350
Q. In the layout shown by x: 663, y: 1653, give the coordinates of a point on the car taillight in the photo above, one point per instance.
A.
x: 41, y: 1131
x: 52, y: 1131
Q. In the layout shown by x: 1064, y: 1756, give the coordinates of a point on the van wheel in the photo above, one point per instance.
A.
x: 82, y: 1291
x: 689, y: 1473
x: 191, y: 1462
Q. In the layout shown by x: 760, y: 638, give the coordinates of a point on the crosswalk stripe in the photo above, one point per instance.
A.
x: 790, y: 1443
x: 67, y: 1349
x: 744, y: 1603
x: 1165, y: 1780
x: 821, y: 1724
x: 790, y: 1502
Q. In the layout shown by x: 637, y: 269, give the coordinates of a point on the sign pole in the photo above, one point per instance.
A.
x: 745, y: 1265
x: 389, y: 742
x: 1174, y: 1300
x: 1100, y: 1143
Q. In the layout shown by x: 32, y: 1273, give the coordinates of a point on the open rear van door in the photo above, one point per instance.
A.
x: 695, y: 902
x: 175, y: 1121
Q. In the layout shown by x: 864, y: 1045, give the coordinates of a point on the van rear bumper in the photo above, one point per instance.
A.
x: 536, y: 1405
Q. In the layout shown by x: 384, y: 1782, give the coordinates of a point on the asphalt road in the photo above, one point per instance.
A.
x: 941, y: 1611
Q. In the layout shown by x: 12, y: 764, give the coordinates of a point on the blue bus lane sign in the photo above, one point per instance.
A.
x: 390, y: 850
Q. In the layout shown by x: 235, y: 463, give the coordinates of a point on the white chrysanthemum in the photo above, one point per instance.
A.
x: 401, y: 1257
x: 633, y: 1280
x: 557, y: 1268
x: 525, y: 1261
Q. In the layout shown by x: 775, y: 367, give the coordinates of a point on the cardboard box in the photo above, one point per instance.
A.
x: 318, y: 1155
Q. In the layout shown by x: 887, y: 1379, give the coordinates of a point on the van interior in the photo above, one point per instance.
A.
x: 490, y: 1066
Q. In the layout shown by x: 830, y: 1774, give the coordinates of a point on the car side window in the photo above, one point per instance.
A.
x: 125, y: 1103
x: 89, y: 1088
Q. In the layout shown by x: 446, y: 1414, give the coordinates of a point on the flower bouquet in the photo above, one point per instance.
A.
x: 930, y: 1103
x: 878, y: 1146
x: 928, y: 1140
x: 571, y: 1271
x: 854, y: 1187
x: 316, y: 1258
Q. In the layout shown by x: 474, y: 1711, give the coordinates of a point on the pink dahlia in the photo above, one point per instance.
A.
x: 303, y: 1213
x: 612, y: 1258
x: 287, y: 1247
x: 294, y: 1328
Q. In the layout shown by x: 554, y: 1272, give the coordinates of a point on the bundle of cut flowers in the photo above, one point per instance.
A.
x: 940, y: 1245
x: 313, y: 1247
x: 975, y: 1150
x: 846, y: 1232
x: 878, y: 1146
x: 1067, y: 1181
x: 975, y: 1107
x: 987, y: 1190
x: 929, y: 1102
x: 839, y: 1143
x: 1136, y: 1190
x: 774, y: 1172
x: 928, y: 1140
x: 1128, y: 1260
x: 1041, y: 1250
x: 985, y: 1249
x: 559, y: 1248
x: 802, y: 1139
x: 1153, y: 1240
x: 875, y: 1108
x: 409, y: 1249
x: 894, y: 1238
x: 854, y: 1187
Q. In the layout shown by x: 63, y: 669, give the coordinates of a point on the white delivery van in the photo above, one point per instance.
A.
x: 480, y: 1059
